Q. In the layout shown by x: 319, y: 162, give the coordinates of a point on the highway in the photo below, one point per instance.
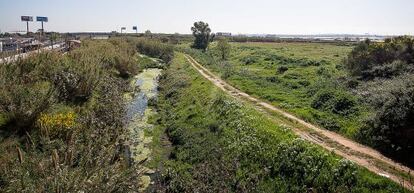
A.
x: 24, y: 55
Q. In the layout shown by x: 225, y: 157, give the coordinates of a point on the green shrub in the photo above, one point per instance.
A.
x: 22, y: 104
x: 228, y: 69
x: 335, y: 101
x: 282, y: 69
x: 352, y: 83
x: 390, y: 126
x: 369, y: 60
x: 116, y: 54
x: 249, y: 60
x: 323, y: 71
x: 273, y: 79
x: 155, y: 49
x: 304, y: 83
x: 344, y: 104
x: 25, y: 91
x: 329, y: 123
x: 76, y: 84
x: 393, y: 69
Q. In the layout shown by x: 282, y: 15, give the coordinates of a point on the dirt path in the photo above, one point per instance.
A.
x: 358, y: 153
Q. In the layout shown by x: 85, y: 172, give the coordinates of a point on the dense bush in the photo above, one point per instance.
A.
x: 227, y: 69
x: 76, y: 85
x: 62, y: 121
x: 22, y: 104
x: 335, y: 101
x: 248, y: 60
x: 390, y: 70
x: 390, y: 128
x: 155, y: 49
x: 116, y: 54
x: 369, y: 60
x: 282, y: 69
x: 26, y: 91
x: 386, y: 70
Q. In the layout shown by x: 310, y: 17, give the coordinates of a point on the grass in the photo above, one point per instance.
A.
x: 289, y: 75
x: 160, y: 146
x: 221, y: 144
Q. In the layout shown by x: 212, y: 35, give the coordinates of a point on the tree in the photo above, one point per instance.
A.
x: 224, y: 48
x: 201, y: 32
x: 148, y: 33
x: 175, y: 38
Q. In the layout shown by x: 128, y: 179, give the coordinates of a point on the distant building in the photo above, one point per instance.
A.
x: 100, y: 37
x: 223, y: 34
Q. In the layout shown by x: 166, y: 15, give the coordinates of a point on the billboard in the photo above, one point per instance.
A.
x: 134, y: 28
x: 27, y: 18
x: 42, y: 19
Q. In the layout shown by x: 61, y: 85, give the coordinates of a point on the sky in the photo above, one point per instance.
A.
x: 382, y: 17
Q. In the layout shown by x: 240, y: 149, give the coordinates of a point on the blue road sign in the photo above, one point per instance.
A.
x: 134, y: 28
x: 43, y: 19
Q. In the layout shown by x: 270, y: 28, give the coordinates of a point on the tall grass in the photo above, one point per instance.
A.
x: 62, y: 121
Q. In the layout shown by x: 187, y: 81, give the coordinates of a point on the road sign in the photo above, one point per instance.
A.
x: 42, y: 19
x: 123, y: 28
x: 134, y: 28
x: 27, y: 18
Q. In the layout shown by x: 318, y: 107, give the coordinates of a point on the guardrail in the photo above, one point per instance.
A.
x: 58, y: 46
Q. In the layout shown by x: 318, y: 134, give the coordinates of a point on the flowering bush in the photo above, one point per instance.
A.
x: 56, y: 124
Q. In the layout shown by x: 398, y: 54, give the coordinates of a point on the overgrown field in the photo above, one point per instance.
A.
x: 222, y: 145
x: 361, y: 91
x: 291, y: 76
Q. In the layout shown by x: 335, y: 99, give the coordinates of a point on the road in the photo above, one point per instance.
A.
x: 344, y: 147
x: 24, y: 55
